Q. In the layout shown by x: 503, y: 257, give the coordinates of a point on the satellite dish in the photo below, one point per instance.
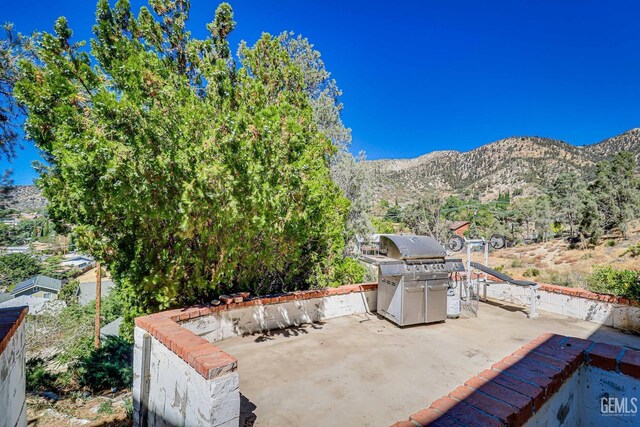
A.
x: 456, y: 243
x: 497, y: 241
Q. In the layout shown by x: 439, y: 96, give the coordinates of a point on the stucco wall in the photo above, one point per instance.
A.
x: 617, y: 315
x: 13, y: 410
x: 174, y: 394
x: 260, y: 318
x: 579, y: 400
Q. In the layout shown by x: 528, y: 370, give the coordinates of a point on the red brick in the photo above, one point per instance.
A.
x: 426, y: 416
x: 630, y: 363
x: 226, y: 299
x: 603, y: 356
x: 534, y: 392
x: 523, y: 403
x: 485, y: 403
x: 470, y: 416
x: 404, y: 424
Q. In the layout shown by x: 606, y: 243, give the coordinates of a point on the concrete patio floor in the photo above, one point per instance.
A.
x: 362, y: 370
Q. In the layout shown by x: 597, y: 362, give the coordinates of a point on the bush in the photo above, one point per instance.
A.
x: 633, y: 251
x: 531, y: 272
x: 608, y: 280
x: 611, y: 243
x: 38, y: 377
x: 347, y: 272
x: 108, y: 366
x: 516, y: 263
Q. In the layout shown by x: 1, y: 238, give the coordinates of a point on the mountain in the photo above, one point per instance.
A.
x: 526, y: 163
x: 26, y: 198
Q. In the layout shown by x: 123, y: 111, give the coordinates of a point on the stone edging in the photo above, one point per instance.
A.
x: 516, y: 387
x: 10, y: 321
x: 207, y: 359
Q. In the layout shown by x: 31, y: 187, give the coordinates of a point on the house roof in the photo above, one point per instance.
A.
x: 40, y: 281
x: 111, y: 329
x: 86, y: 292
x: 458, y: 224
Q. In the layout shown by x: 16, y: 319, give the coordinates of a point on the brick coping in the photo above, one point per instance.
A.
x: 10, y: 320
x: 515, y: 388
x: 207, y: 359
x: 583, y: 293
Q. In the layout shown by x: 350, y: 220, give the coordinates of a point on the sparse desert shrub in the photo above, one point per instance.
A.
x: 633, y: 251
x: 531, y: 272
x: 611, y: 243
x: 516, y: 263
x: 500, y: 268
x: 609, y: 280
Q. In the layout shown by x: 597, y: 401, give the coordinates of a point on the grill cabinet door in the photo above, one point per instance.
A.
x: 436, y: 300
x: 413, y: 303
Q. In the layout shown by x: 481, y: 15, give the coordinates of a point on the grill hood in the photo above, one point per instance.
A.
x: 409, y: 247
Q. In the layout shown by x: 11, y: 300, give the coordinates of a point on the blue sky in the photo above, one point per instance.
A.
x: 419, y: 76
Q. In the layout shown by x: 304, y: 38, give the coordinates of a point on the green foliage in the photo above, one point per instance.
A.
x: 382, y: 226
x: 68, y: 292
x: 531, y: 272
x: 105, y: 407
x: 348, y: 270
x: 516, y: 263
x: 38, y: 377
x: 108, y: 366
x: 393, y: 214
x: 611, y: 243
x: 633, y: 251
x: 609, y: 280
x: 15, y: 268
x: 211, y: 176
x: 613, y: 198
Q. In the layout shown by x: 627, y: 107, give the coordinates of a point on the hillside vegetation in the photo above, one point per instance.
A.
x: 512, y: 164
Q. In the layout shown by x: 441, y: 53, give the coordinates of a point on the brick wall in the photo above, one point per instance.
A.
x: 182, y: 378
x: 13, y: 410
x: 553, y: 380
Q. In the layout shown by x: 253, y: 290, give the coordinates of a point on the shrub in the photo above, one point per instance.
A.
x: 633, y: 251
x: 108, y: 366
x: 611, y: 243
x: 348, y: 271
x: 516, y: 263
x: 608, y: 280
x: 38, y: 377
x: 531, y: 272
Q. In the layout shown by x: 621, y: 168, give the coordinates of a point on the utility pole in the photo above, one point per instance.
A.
x: 96, y: 342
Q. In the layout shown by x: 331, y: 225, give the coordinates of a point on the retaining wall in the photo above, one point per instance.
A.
x: 577, y: 303
x: 182, y: 379
x: 553, y: 380
x: 13, y: 409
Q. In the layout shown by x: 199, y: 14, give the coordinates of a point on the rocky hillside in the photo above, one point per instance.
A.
x: 27, y: 198
x: 526, y: 163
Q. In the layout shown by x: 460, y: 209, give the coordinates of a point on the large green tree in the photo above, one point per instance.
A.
x: 187, y: 173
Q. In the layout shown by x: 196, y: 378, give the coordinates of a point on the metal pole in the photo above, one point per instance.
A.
x: 96, y: 342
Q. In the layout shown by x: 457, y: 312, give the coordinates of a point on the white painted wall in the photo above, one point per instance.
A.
x: 261, y: 318
x: 13, y: 408
x: 177, y: 394
x: 603, y: 313
x: 578, y: 402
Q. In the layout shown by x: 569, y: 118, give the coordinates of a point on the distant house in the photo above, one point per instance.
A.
x: 15, y: 250
x: 36, y: 305
x: 459, y: 227
x: 38, y: 286
x: 80, y: 262
x: 87, y: 291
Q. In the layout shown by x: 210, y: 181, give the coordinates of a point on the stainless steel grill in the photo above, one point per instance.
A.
x: 413, y: 278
